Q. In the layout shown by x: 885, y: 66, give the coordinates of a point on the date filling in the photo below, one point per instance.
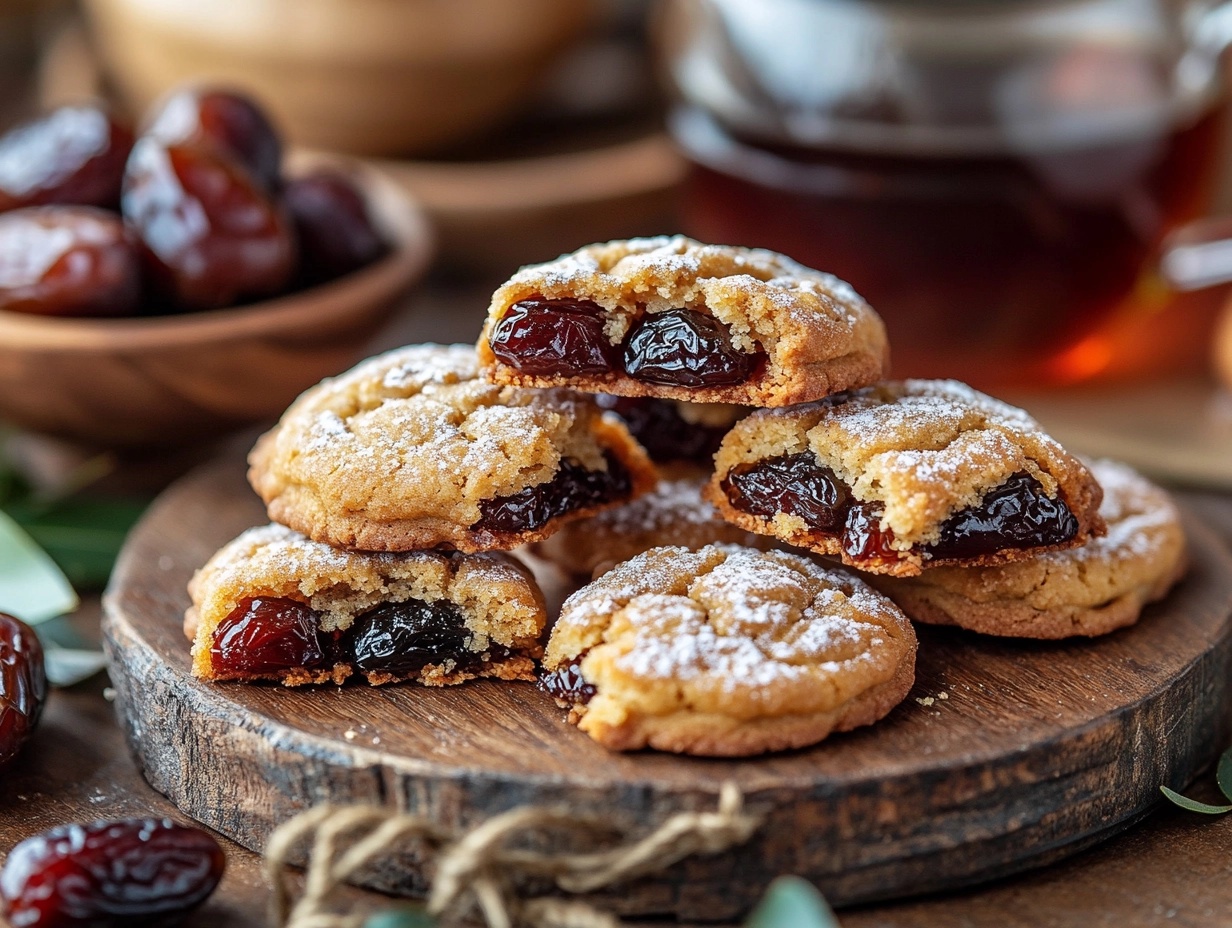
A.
x: 272, y: 635
x: 1015, y: 515
x: 565, y: 338
x: 572, y: 488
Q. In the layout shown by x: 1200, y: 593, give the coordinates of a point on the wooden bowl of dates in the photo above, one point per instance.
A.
x: 171, y: 377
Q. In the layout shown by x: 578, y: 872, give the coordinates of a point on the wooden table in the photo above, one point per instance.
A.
x: 1174, y: 868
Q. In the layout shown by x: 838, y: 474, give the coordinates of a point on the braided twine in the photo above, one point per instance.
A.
x: 482, y: 868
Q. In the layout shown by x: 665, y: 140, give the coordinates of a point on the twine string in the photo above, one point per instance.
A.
x: 479, y: 870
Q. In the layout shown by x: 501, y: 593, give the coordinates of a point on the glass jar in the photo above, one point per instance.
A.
x: 997, y: 177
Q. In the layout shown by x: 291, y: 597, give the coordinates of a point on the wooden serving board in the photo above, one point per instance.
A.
x: 1006, y: 755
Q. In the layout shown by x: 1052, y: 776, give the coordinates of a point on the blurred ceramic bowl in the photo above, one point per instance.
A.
x: 165, y: 380
x: 375, y: 77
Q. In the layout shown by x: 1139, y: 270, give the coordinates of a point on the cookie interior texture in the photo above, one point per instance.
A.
x: 915, y: 454
x: 673, y: 513
x: 730, y: 651
x: 815, y: 333
x: 495, y: 597
x: 411, y: 450
x: 1089, y: 590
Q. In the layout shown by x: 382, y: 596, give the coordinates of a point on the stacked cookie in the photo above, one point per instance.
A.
x: 395, y: 489
x: 711, y: 627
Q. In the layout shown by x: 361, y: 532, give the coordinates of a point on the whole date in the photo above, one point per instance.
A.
x: 131, y: 872
x: 23, y: 685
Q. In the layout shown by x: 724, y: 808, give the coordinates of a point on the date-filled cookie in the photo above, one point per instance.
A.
x: 1090, y: 590
x: 676, y: 319
x: 673, y: 513
x: 412, y: 450
x: 906, y: 475
x: 274, y: 605
x: 726, y: 651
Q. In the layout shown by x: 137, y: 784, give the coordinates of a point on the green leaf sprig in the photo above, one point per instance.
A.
x: 1223, y: 777
x: 82, y: 533
x: 401, y: 917
x: 52, y: 543
x: 791, y: 902
x: 32, y: 586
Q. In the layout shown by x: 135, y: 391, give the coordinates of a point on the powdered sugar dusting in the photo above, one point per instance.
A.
x: 1138, y: 513
x: 420, y: 365
x: 274, y: 550
x: 272, y: 560
x: 415, y: 436
x: 326, y: 430
x: 671, y: 503
x: 678, y: 260
x: 738, y: 618
x: 923, y: 449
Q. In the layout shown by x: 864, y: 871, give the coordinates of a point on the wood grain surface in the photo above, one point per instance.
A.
x: 1035, y: 751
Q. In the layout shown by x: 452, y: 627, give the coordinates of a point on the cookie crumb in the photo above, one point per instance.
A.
x: 925, y: 700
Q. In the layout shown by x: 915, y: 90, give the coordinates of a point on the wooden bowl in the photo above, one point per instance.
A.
x: 167, y: 380
x: 359, y: 76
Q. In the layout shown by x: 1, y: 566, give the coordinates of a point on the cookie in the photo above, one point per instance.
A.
x: 673, y: 513
x: 676, y: 319
x: 906, y: 475
x: 412, y: 450
x: 673, y: 431
x: 726, y: 651
x: 1090, y: 590
x: 274, y: 605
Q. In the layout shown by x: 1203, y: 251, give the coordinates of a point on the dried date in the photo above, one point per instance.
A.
x: 133, y: 872
x: 74, y: 154
x: 68, y: 261
x: 336, y: 233
x: 229, y: 123
x: 23, y: 685
x: 267, y: 635
x: 213, y: 236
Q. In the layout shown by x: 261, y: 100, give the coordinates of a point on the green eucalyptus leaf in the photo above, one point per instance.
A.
x: 83, y: 536
x: 791, y: 902
x: 405, y: 917
x: 1193, y: 805
x: 70, y: 666
x: 71, y: 657
x: 1223, y: 773
x: 32, y: 587
x: 59, y: 632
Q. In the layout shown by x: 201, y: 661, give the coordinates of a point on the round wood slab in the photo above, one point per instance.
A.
x: 1006, y: 754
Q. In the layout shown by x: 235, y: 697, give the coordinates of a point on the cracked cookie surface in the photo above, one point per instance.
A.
x: 1084, y: 591
x: 329, y: 614
x: 729, y: 651
x: 412, y: 450
x: 905, y: 475
x: 778, y: 332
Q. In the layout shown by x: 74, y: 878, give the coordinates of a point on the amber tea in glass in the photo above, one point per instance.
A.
x: 996, y: 179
